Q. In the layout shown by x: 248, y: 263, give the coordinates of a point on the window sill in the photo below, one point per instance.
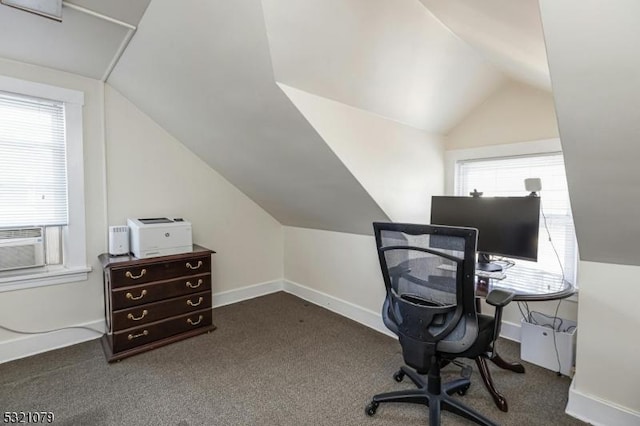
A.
x: 12, y: 280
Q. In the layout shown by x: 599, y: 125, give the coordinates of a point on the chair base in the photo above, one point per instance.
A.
x: 436, y: 401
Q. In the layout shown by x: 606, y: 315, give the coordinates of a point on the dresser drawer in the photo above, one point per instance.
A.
x: 134, y: 296
x: 143, y: 314
x: 158, y: 330
x: 148, y: 272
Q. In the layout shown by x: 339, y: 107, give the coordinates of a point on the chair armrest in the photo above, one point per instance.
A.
x: 500, y: 298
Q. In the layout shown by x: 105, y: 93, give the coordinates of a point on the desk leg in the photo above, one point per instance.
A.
x: 516, y: 367
x: 498, y: 398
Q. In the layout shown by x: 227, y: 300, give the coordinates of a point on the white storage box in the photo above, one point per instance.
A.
x: 159, y: 236
x: 537, y: 346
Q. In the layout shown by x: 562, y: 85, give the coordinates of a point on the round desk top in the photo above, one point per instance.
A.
x: 527, y: 284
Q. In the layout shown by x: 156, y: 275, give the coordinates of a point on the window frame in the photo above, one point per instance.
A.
x: 74, y: 267
x: 529, y: 148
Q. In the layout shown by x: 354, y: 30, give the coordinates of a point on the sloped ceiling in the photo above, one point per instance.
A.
x: 203, y: 71
x: 82, y: 43
x: 207, y: 72
x: 400, y: 166
x: 389, y: 57
x: 595, y: 69
x: 508, y: 33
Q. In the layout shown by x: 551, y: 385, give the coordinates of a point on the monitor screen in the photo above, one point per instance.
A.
x: 507, y: 226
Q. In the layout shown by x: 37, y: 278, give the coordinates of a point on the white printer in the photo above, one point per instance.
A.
x: 159, y: 236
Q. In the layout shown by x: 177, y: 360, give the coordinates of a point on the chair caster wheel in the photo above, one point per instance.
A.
x: 371, y: 409
x: 398, y: 376
x: 463, y: 391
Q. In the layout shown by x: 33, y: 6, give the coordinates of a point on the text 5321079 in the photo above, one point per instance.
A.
x: 26, y: 417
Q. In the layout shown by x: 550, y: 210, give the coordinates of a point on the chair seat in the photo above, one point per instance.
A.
x: 485, y: 337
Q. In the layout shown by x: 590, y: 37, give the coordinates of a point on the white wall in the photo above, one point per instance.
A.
x: 608, y: 345
x: 150, y: 173
x: 591, y: 49
x: 75, y: 303
x: 516, y: 112
x: 398, y: 165
x: 341, y: 272
x: 343, y: 266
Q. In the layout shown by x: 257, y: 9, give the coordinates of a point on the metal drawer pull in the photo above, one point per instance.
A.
x: 190, y: 266
x: 196, y: 322
x: 135, y: 277
x: 131, y: 317
x: 190, y: 285
x: 190, y: 303
x: 135, y: 336
x: 132, y: 297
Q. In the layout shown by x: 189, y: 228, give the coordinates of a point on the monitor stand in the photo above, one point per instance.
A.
x: 485, y: 264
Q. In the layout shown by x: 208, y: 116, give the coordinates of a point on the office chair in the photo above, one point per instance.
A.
x: 430, y: 305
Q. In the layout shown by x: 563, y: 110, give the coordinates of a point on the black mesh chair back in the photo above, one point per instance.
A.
x: 429, y: 277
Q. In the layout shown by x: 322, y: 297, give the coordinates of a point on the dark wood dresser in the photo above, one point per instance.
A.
x: 156, y: 301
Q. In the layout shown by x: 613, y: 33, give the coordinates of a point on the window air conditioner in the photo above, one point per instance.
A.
x: 21, y: 248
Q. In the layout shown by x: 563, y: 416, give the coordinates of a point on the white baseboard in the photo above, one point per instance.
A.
x: 510, y: 331
x: 236, y: 295
x: 349, y: 310
x: 365, y: 316
x: 596, y: 411
x: 33, y: 344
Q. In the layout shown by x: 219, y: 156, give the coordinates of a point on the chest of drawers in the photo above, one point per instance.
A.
x: 156, y: 301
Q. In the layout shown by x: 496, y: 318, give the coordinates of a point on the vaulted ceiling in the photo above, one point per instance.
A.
x: 392, y: 58
x: 507, y: 33
x: 208, y: 72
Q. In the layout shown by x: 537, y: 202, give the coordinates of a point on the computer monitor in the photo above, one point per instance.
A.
x: 507, y: 226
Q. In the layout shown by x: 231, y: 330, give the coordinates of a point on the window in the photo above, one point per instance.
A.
x: 33, y: 177
x: 41, y: 185
x: 504, y: 176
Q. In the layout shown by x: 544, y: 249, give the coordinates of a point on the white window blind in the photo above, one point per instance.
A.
x: 33, y: 171
x: 505, y: 177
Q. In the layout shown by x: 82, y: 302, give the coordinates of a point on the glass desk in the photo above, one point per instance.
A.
x: 529, y: 285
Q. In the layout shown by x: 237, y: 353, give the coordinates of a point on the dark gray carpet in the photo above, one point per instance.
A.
x: 274, y: 360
